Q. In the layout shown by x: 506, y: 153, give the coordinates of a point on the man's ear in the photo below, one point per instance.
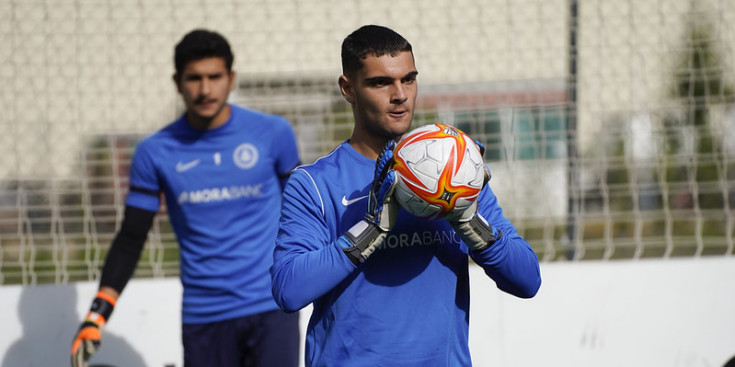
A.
x: 346, y: 88
x: 176, y: 80
x: 232, y: 80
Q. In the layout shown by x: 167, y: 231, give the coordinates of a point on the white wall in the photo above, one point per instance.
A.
x: 672, y: 313
x: 644, y: 313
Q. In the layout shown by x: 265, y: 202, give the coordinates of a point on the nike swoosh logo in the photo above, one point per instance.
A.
x: 347, y: 202
x: 181, y: 167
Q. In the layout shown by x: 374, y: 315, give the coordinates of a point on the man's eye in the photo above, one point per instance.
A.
x: 378, y: 82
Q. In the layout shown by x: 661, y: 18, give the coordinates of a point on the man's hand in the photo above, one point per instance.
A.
x: 382, y: 209
x: 364, y: 237
x: 471, y: 227
x: 89, y: 336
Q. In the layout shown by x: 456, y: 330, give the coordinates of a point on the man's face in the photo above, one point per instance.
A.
x: 204, y: 86
x: 382, y: 94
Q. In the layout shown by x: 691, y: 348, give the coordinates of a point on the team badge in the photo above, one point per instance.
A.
x: 245, y: 156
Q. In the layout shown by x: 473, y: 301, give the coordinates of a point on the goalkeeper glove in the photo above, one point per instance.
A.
x: 88, y: 338
x: 363, y: 238
x: 473, y: 228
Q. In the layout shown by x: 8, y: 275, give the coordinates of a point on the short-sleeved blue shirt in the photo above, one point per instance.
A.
x: 223, y: 196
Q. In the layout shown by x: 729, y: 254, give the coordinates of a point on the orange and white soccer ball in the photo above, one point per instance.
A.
x: 439, y: 169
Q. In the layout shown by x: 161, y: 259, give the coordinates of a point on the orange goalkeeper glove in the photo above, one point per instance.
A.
x: 88, y: 338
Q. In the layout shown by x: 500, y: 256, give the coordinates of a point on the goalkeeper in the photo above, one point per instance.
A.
x: 221, y: 169
x: 388, y: 289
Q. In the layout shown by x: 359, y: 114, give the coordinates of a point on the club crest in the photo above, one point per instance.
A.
x: 245, y: 156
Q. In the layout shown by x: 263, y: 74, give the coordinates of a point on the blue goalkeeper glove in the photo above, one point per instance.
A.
x: 363, y: 238
x: 89, y: 336
x: 471, y: 226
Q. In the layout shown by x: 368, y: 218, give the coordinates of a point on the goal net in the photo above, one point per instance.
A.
x: 609, y: 125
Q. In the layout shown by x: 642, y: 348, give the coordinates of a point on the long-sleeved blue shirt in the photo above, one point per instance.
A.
x: 408, y: 304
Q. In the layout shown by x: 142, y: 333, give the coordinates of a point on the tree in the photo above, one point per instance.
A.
x: 692, y: 147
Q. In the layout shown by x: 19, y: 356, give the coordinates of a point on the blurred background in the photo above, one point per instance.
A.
x: 609, y: 125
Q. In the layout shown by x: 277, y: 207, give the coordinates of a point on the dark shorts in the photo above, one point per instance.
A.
x: 267, y: 339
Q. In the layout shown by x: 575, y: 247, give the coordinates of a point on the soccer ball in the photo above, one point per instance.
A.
x: 439, y: 169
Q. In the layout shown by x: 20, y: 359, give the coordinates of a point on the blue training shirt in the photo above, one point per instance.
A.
x: 223, y: 196
x: 408, y: 304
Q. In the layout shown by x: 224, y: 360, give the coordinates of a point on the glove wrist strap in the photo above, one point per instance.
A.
x: 477, y: 233
x: 361, y: 240
x: 101, y: 309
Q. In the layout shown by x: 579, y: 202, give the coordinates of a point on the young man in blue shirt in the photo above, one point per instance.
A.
x: 221, y: 169
x: 388, y: 289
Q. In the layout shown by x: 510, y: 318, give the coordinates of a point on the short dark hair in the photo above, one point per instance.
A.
x: 372, y: 40
x: 201, y: 44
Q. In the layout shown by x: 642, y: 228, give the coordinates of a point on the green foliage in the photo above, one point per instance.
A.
x: 698, y: 77
x: 698, y: 84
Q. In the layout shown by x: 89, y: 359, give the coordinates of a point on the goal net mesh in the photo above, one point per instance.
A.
x: 609, y: 125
